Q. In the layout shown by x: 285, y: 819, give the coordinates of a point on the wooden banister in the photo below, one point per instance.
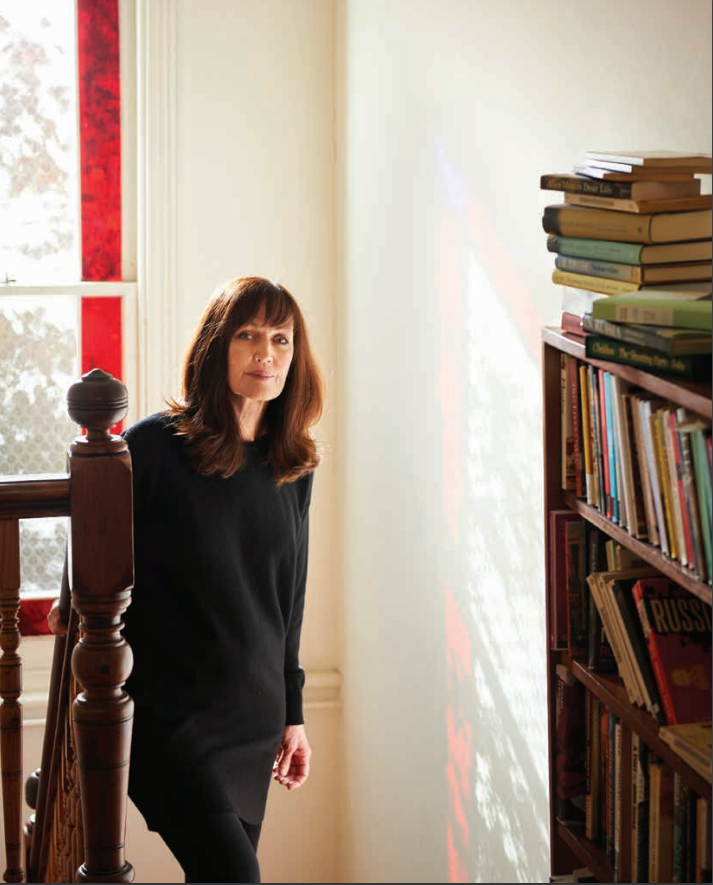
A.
x: 11, y: 690
x: 78, y: 830
x: 101, y: 578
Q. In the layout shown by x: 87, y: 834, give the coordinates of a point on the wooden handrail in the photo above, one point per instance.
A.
x: 37, y: 496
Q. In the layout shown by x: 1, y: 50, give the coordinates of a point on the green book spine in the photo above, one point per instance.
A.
x: 671, y: 342
x: 703, y: 487
x: 692, y: 367
x: 602, y: 250
x: 654, y: 311
x: 612, y: 270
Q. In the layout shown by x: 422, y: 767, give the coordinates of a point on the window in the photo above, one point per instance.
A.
x: 67, y: 244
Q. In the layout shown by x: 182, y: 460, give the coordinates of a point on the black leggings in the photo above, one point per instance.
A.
x: 214, y: 847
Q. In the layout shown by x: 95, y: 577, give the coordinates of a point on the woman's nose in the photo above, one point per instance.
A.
x: 263, y: 353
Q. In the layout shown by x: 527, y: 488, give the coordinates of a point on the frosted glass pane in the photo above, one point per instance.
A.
x: 38, y: 363
x: 38, y: 142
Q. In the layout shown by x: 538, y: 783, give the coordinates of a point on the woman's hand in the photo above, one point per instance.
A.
x: 56, y: 622
x: 291, y: 768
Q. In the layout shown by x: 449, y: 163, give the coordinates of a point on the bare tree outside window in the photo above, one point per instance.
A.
x: 38, y: 142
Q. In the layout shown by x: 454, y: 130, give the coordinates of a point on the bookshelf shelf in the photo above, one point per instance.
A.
x: 569, y: 845
x: 653, y: 555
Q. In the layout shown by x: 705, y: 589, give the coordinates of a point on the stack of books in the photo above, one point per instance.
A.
x: 632, y: 252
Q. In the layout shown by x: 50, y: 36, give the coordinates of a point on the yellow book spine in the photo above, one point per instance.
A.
x: 664, y: 482
x: 587, y: 436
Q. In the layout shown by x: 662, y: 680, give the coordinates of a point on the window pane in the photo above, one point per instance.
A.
x: 38, y: 345
x: 38, y: 142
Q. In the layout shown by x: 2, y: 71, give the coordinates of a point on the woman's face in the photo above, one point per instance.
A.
x: 259, y: 358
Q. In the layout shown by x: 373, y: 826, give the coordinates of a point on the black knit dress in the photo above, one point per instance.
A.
x: 214, y: 624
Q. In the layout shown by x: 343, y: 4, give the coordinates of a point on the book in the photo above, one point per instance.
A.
x: 576, y: 604
x: 593, y: 785
x: 642, y: 274
x: 695, y: 367
x: 558, y: 576
x: 649, y: 309
x: 620, y: 204
x: 572, y: 323
x: 631, y: 253
x: 631, y: 227
x: 704, y: 863
x: 677, y: 627
x: 600, y: 655
x: 632, y: 190
x: 692, y: 742
x: 584, y: 410
x: 681, y: 804
x: 653, y: 159
x: 660, y: 822
x: 635, y: 644
x: 700, y: 437
x: 570, y: 741
x: 612, y: 625
x: 668, y: 340
x: 690, y: 493
x: 634, y: 173
x: 640, y: 810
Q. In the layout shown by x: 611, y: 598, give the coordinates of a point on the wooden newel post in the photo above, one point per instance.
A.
x: 101, y: 576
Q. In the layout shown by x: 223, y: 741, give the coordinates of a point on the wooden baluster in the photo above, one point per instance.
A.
x: 11, y: 690
x: 101, y: 574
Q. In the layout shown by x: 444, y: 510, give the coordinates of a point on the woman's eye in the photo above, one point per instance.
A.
x: 244, y: 335
x: 282, y: 340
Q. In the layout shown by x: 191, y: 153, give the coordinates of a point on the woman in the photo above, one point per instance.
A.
x: 222, y: 488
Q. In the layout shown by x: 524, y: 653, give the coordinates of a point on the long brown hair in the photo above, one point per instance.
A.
x: 206, y: 417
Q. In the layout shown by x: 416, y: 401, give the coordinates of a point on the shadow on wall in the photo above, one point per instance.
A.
x: 492, y: 503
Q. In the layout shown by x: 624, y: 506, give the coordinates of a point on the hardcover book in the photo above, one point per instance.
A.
x: 631, y: 190
x: 694, y: 162
x: 570, y: 742
x: 692, y: 742
x: 696, y: 367
x: 636, y: 273
x: 558, y: 575
x: 633, y: 173
x: 651, y: 310
x: 660, y: 822
x: 631, y: 253
x: 619, y: 204
x: 668, y: 340
x: 631, y: 227
x: 677, y: 627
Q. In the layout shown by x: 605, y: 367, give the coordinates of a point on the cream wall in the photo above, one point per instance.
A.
x: 447, y: 115
x: 382, y: 158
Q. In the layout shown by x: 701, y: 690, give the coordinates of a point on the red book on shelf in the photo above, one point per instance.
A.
x: 572, y: 323
x: 677, y: 627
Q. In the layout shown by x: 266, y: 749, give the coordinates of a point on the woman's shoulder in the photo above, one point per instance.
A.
x: 153, y: 431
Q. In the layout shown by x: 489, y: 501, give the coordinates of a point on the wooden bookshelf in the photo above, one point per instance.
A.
x: 569, y: 847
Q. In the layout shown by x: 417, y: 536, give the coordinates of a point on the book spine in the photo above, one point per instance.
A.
x: 640, y: 335
x: 600, y: 250
x: 597, y: 224
x: 664, y: 476
x: 592, y: 283
x: 614, y: 351
x: 691, y: 497
x: 647, y: 312
x: 676, y: 467
x: 587, y: 435
x: 593, y: 374
x: 570, y: 771
x: 581, y: 185
x: 575, y: 421
x: 593, y: 784
x: 655, y: 657
x: 702, y: 473
x: 629, y: 273
x: 704, y: 863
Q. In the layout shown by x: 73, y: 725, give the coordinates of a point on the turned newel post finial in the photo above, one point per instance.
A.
x: 97, y: 402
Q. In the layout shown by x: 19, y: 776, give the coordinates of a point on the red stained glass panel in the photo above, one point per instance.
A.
x: 101, y: 336
x: 100, y: 137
